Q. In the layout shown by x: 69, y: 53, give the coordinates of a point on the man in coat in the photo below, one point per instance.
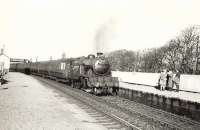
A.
x: 170, y: 83
x: 176, y: 80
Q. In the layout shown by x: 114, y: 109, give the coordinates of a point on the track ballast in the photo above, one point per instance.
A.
x: 129, y: 114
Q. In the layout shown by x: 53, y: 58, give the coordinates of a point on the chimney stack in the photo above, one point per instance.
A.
x: 99, y: 54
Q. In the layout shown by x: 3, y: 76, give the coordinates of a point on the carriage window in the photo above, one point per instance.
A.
x: 62, y: 66
x: 75, y: 67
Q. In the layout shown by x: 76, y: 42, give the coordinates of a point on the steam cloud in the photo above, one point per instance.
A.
x: 103, y: 35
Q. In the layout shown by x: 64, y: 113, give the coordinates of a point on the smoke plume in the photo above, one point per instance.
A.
x: 103, y: 35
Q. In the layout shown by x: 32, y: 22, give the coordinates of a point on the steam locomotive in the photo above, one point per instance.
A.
x: 92, y: 74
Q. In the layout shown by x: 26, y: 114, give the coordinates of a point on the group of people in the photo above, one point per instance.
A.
x: 168, y: 80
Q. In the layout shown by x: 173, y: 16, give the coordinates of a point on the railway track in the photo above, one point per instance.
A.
x: 157, y: 115
x: 129, y: 114
x: 94, y: 109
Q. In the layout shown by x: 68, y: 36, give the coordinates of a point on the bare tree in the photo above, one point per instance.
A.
x: 122, y: 60
x: 189, y: 42
x: 174, y: 54
x: 180, y: 53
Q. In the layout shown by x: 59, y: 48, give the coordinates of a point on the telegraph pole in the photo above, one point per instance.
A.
x: 197, y: 46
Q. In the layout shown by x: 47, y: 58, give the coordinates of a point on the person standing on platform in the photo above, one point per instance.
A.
x: 176, y: 80
x: 170, y: 83
x: 163, y: 80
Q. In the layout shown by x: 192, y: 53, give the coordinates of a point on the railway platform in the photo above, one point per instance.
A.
x: 182, y: 95
x: 182, y: 103
x: 26, y: 104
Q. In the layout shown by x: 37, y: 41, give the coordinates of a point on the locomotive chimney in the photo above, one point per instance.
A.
x: 99, y: 54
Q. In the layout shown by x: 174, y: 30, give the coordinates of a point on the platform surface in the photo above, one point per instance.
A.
x: 25, y: 104
x: 187, y: 82
x: 188, y: 96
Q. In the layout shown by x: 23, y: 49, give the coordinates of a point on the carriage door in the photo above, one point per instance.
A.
x: 62, y: 66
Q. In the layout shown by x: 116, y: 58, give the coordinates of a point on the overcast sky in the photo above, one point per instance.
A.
x: 44, y: 28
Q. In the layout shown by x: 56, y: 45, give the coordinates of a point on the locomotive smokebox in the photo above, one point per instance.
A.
x: 101, y: 66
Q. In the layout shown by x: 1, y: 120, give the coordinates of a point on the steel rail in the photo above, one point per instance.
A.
x: 113, y: 116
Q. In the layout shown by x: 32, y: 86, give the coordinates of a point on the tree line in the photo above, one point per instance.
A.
x: 180, y: 53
